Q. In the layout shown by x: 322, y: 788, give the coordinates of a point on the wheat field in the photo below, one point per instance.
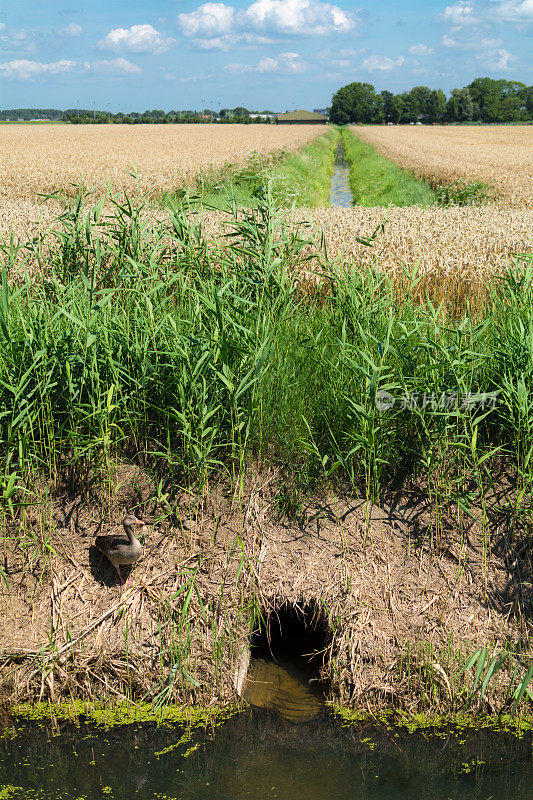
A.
x: 42, y: 158
x: 500, y: 156
x: 446, y: 244
x: 457, y: 244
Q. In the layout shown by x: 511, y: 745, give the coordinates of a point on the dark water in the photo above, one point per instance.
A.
x: 259, y: 756
x: 341, y: 194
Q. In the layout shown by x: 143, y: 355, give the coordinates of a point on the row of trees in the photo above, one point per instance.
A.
x: 156, y: 116
x: 484, y: 100
x: 28, y: 114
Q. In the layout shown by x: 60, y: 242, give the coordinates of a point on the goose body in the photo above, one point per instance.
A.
x: 119, y: 549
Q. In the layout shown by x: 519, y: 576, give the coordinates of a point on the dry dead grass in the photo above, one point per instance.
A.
x: 384, y: 579
x: 42, y: 158
x: 500, y: 156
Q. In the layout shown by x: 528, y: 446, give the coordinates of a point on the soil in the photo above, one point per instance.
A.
x: 406, y: 590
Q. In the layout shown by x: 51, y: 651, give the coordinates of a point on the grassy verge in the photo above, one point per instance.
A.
x: 377, y: 181
x: 302, y: 178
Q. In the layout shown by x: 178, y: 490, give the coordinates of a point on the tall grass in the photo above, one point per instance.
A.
x: 146, y: 341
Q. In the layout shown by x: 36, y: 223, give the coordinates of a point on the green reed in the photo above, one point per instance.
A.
x: 144, y: 339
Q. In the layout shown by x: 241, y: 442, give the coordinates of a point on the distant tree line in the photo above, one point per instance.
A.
x: 78, y: 116
x: 31, y: 113
x: 483, y: 100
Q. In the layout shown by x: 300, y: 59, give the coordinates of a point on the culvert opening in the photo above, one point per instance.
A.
x: 299, y: 634
x: 287, y: 655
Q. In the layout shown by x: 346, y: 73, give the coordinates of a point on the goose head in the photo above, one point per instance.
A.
x: 130, y: 521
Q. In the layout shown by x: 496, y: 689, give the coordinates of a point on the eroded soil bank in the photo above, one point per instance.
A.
x: 407, y: 592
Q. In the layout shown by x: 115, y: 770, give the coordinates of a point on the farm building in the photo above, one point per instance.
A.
x: 302, y: 118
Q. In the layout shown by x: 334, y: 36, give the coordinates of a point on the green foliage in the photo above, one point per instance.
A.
x: 375, y: 180
x: 302, y: 178
x: 153, y: 340
x: 484, y: 99
x: 27, y: 114
x: 356, y: 102
x: 499, y: 100
x: 461, y: 193
x: 460, y: 107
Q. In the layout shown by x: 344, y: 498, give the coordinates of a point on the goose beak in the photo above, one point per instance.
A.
x: 138, y: 521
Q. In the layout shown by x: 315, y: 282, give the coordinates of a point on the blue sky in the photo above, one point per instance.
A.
x: 126, y: 55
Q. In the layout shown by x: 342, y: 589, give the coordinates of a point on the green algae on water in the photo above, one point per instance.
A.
x: 109, y: 716
x: 394, y: 718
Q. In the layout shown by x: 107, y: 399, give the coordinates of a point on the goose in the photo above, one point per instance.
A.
x: 119, y: 550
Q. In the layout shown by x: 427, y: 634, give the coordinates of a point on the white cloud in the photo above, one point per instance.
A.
x: 340, y: 63
x: 382, y: 63
x: 463, y: 13
x: 421, y: 50
x: 514, y: 11
x: 308, y: 17
x: 238, y: 69
x: 22, y: 41
x: 215, y: 22
x: 208, y: 21
x: 504, y: 58
x: 229, y: 40
x: 115, y: 66
x: 447, y: 41
x: 497, y: 59
x: 289, y: 63
x: 2, y: 26
x: 73, y: 29
x: 459, y: 14
x: 137, y: 39
x: 217, y: 43
x: 336, y: 57
x: 24, y: 70
x: 284, y: 64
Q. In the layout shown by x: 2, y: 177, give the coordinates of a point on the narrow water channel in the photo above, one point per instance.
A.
x: 341, y: 194
x: 256, y: 755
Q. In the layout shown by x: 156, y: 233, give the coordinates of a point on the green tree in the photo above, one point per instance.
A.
x: 356, y: 102
x: 410, y: 108
x: 241, y: 113
x: 437, y: 106
x: 421, y: 96
x: 460, y: 107
x: 497, y: 100
x: 392, y: 106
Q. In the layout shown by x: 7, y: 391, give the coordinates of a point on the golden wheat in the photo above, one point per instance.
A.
x: 500, y: 156
x: 470, y: 241
x: 39, y: 159
x: 455, y: 252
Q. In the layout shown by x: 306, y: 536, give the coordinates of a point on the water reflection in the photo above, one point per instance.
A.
x: 258, y: 756
x: 341, y: 194
x: 281, y: 687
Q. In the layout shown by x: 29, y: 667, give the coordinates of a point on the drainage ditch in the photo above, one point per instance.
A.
x: 341, y: 194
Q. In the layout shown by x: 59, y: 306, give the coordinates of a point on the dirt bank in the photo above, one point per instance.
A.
x: 406, y: 591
